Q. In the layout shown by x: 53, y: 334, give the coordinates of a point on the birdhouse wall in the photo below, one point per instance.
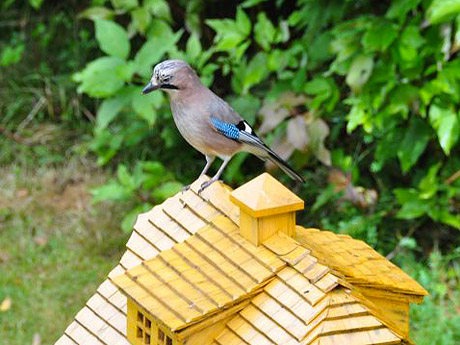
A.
x: 257, y: 230
x: 207, y: 335
x: 142, y: 329
x: 396, y: 311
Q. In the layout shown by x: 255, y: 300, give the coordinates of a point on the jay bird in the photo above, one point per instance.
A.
x: 206, y: 121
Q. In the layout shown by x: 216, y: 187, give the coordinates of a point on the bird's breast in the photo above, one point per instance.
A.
x: 194, y: 125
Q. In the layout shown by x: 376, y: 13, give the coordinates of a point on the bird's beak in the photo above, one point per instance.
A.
x: 149, y: 88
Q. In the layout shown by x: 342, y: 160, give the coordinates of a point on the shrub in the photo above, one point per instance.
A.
x: 361, y: 97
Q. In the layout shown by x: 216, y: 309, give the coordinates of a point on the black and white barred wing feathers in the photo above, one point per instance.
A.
x: 243, y: 133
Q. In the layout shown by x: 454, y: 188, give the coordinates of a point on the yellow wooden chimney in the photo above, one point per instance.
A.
x: 266, y: 207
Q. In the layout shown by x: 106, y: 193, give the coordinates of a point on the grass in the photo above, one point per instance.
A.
x: 55, y: 247
x: 436, y: 320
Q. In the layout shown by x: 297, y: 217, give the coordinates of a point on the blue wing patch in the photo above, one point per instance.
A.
x: 228, y: 129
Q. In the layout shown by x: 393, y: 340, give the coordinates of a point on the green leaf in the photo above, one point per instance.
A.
x: 112, y: 38
x: 152, y: 51
x: 11, y: 55
x: 264, y: 31
x: 98, y: 78
x: 154, y: 168
x: 111, y: 192
x: 228, y: 34
x: 166, y: 190
x: 323, y: 89
x: 400, y: 8
x: 233, y: 170
x: 193, y: 47
x: 159, y: 8
x: 450, y: 219
x: 125, y: 4
x: 247, y: 105
x: 255, y: 71
x: 442, y: 10
x: 409, y: 43
x: 412, y: 206
x: 124, y: 177
x: 359, y: 115
x: 108, y: 110
x: 360, y: 71
x: 243, y: 23
x: 155, y: 173
x: 324, y: 197
x: 141, y: 19
x: 36, y: 4
x: 251, y: 3
x: 130, y: 218
x: 380, y: 35
x: 408, y: 242
x: 388, y: 146
x: 414, y: 143
x: 97, y: 12
x: 145, y: 105
x: 429, y: 183
x: 447, y: 125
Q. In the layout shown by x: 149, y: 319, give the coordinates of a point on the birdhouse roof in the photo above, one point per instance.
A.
x: 359, y: 263
x: 265, y: 196
x: 186, y: 263
x: 208, y: 272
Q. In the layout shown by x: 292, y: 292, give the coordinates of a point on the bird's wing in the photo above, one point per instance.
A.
x: 241, y: 131
x: 229, y: 123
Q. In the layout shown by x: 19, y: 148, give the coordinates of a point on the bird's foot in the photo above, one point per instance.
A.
x: 186, y: 188
x: 206, y: 184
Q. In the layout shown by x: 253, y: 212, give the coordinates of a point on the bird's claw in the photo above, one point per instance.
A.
x: 205, y: 185
x: 185, y: 188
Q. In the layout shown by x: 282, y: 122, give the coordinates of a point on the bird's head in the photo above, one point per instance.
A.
x: 171, y: 76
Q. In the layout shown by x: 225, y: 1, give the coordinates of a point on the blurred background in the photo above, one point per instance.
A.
x: 362, y: 97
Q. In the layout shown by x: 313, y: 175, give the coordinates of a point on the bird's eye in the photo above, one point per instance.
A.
x: 166, y: 78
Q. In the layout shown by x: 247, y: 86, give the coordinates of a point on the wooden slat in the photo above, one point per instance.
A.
x: 301, y: 285
x: 352, y: 323
x: 81, y: 335
x: 244, y: 330
x: 140, y: 246
x: 381, y: 336
x: 99, y: 327
x: 199, y: 207
x: 108, y: 312
x: 222, y: 262
x: 186, y: 218
x: 65, y: 340
x: 130, y: 260
x: 218, y: 196
x: 229, y: 337
x: 280, y: 315
x: 265, y: 325
x: 327, y: 283
x: 346, y: 310
x: 169, y: 227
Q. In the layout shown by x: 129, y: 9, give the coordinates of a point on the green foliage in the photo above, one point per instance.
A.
x: 149, y: 183
x: 385, y: 78
x: 434, y: 321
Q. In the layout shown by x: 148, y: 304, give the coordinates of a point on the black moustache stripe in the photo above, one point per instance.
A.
x: 169, y: 86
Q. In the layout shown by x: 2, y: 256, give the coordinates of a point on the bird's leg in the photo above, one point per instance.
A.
x: 209, y: 160
x: 206, y: 184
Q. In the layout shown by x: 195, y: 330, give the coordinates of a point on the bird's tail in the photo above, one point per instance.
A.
x: 273, y: 157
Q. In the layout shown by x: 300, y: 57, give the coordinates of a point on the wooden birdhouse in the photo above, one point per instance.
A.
x: 232, y: 267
